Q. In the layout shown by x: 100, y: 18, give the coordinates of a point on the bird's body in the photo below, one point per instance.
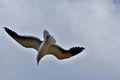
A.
x: 47, y: 46
x: 43, y: 49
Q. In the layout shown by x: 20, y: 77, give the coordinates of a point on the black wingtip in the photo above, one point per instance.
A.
x: 5, y: 28
x: 76, y: 50
x: 10, y: 32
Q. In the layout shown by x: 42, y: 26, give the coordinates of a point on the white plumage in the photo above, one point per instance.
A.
x: 47, y: 46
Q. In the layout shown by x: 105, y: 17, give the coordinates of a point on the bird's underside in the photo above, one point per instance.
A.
x: 49, y: 42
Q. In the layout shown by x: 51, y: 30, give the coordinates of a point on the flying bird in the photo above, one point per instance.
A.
x: 44, y: 47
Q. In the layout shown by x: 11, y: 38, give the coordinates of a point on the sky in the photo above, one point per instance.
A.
x: 93, y: 24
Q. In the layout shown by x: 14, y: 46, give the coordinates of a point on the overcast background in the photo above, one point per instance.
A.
x: 94, y: 24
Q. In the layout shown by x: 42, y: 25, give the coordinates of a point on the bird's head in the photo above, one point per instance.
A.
x: 38, y: 59
x: 40, y: 56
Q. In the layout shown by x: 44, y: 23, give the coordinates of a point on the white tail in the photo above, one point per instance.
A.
x: 46, y: 33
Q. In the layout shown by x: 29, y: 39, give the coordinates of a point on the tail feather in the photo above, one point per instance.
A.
x: 45, y: 33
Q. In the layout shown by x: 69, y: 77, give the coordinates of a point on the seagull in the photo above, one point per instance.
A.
x: 44, y: 47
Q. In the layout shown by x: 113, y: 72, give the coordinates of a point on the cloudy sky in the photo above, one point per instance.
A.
x: 93, y: 24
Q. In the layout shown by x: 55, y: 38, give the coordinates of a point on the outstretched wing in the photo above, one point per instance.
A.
x: 60, y: 53
x: 26, y: 41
